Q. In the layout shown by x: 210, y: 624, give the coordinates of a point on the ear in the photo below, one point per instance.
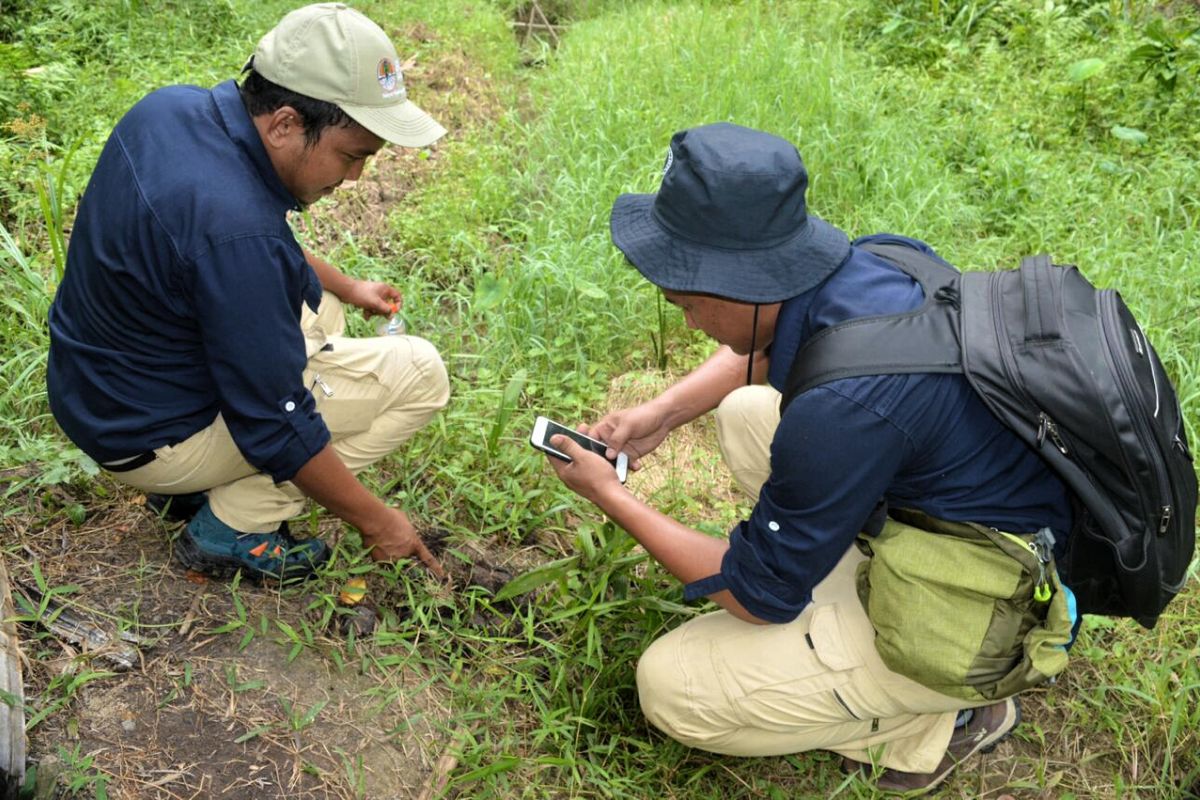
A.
x: 282, y: 127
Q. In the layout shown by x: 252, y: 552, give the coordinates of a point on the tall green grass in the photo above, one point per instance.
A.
x: 988, y: 159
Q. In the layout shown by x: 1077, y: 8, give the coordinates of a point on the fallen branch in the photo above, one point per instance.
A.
x: 537, y: 26
x: 436, y: 785
x: 12, y: 698
x: 537, y: 20
x: 190, y: 617
x: 120, y: 650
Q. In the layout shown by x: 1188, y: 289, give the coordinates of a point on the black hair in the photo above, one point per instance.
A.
x: 261, y: 96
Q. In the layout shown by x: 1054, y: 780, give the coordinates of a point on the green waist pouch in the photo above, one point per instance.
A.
x: 966, y: 610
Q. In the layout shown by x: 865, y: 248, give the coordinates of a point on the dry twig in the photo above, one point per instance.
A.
x: 436, y: 785
x: 537, y: 21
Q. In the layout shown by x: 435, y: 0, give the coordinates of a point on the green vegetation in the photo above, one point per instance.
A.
x: 989, y: 128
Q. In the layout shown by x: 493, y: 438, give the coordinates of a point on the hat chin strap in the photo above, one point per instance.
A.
x: 753, y: 339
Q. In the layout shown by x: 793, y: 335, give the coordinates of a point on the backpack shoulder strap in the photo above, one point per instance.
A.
x: 923, y: 340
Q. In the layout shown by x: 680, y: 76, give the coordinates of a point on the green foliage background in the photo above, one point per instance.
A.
x: 989, y: 128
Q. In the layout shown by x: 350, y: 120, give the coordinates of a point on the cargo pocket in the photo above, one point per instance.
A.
x: 790, y: 678
x: 830, y: 642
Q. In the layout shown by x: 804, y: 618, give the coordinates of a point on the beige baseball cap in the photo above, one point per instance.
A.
x: 330, y: 52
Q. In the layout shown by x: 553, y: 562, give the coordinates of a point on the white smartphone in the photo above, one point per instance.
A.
x: 544, y: 428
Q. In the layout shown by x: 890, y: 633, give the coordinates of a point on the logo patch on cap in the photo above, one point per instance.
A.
x: 388, y: 75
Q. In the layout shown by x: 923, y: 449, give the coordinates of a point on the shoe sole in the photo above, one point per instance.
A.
x: 195, y: 559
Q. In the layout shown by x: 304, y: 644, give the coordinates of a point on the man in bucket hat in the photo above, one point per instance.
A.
x: 789, y: 663
x: 196, y: 348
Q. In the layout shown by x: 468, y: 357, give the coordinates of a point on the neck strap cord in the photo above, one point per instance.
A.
x: 753, y: 339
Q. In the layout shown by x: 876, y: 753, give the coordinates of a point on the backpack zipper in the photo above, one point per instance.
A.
x: 1042, y: 547
x: 1110, y: 321
x: 1047, y: 426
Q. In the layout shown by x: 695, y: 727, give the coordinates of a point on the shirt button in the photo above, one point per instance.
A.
x: 290, y: 406
x: 773, y: 525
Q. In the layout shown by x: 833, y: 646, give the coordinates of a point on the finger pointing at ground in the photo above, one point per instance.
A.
x: 430, y: 560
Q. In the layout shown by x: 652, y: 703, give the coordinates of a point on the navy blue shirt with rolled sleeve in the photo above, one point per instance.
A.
x: 922, y: 441
x: 183, y: 292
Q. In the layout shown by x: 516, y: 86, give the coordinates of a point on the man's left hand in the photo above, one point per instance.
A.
x: 373, y: 297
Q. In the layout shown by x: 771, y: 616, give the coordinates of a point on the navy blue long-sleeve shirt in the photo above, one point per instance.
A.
x: 922, y: 441
x: 183, y: 291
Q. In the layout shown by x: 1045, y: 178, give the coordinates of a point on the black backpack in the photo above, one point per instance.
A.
x: 1066, y: 367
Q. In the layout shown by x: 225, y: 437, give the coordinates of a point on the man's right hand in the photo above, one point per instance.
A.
x: 396, y: 538
x: 635, y: 431
x: 385, y: 530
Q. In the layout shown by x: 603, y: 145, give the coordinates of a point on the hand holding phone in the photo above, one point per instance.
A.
x: 544, y: 428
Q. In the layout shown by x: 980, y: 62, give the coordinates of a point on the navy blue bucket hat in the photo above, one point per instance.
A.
x: 729, y: 220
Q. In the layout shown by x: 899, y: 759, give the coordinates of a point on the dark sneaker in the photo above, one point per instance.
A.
x: 987, y: 728
x: 176, y: 507
x: 210, y: 546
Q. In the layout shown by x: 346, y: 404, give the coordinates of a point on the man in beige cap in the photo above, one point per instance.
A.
x: 196, y: 348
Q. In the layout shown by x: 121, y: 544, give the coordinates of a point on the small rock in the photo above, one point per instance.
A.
x: 128, y: 724
x: 361, y: 621
x: 48, y: 772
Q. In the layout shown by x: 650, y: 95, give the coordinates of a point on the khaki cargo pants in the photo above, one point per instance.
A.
x: 373, y: 393
x: 728, y: 686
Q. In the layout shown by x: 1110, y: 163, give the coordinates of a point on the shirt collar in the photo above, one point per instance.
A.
x: 791, y: 331
x: 243, y: 133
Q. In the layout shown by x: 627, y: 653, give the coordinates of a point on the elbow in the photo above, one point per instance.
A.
x: 727, y: 601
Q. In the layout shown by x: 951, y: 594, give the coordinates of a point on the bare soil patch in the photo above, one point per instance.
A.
x: 221, y: 700
x: 204, y: 713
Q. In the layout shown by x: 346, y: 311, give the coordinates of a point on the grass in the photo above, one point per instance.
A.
x: 958, y: 123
